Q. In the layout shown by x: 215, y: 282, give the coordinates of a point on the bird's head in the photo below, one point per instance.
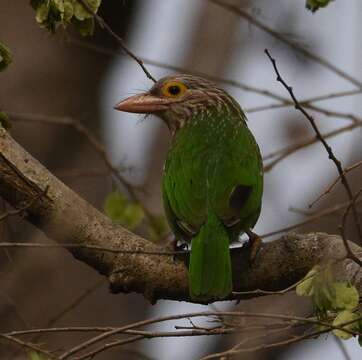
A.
x: 177, y: 99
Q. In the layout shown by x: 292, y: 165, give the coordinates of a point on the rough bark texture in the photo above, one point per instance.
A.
x: 66, y: 217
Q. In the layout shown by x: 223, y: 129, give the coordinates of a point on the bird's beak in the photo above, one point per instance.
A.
x: 143, y: 104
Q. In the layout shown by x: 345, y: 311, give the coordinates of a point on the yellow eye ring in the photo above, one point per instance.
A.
x: 173, y: 89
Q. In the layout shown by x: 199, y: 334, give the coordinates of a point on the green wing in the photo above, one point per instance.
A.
x: 230, y: 164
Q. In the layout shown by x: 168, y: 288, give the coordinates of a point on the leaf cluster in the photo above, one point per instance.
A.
x: 51, y: 14
x: 334, y: 301
x: 123, y: 211
x: 131, y: 214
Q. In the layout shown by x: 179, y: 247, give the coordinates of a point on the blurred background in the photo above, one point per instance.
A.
x: 62, y: 75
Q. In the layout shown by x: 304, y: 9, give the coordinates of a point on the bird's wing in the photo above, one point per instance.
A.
x: 238, y: 182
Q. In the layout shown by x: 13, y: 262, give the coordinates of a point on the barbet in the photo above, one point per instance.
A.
x: 213, y: 176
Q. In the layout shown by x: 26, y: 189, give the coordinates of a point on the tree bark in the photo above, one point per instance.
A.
x: 67, y: 218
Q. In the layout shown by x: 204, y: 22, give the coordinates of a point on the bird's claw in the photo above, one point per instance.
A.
x: 254, y: 244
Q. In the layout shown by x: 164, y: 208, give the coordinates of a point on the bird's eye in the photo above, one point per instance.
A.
x: 173, y: 89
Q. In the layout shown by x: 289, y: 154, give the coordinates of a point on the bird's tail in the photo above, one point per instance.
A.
x: 210, y: 275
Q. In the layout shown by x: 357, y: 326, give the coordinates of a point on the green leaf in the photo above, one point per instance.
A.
x: 360, y: 340
x: 81, y: 13
x: 305, y: 288
x: 344, y: 317
x: 346, y: 296
x: 4, y: 120
x: 5, y: 57
x: 42, y: 12
x: 314, y: 5
x: 122, y: 211
x: 68, y: 12
x: 85, y: 27
x: 327, y: 294
x: 58, y: 5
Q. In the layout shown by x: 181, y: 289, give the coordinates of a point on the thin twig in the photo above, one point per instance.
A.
x: 21, y: 209
x: 236, y: 350
x: 141, y: 334
x: 237, y: 84
x: 72, y: 305
x: 92, y: 140
x: 335, y: 182
x: 89, y: 247
x: 104, y: 25
x: 342, y: 228
x: 93, y: 353
x: 309, y: 220
x: 28, y: 346
x: 232, y: 352
x: 105, y: 335
x: 190, y: 333
x: 281, y: 154
x: 305, y: 102
x: 179, y: 69
x: 320, y: 137
x: 269, y: 292
x: 295, y: 46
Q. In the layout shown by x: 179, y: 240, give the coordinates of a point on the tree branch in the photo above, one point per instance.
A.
x: 67, y: 218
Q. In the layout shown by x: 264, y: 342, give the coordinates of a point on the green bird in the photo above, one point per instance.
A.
x: 213, y: 176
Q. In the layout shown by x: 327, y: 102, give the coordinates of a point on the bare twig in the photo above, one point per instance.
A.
x: 131, y: 329
x: 75, y: 302
x: 332, y: 113
x: 305, y: 102
x: 311, y: 219
x: 320, y: 137
x: 23, y: 208
x: 104, y: 25
x: 92, y: 140
x: 28, y: 346
x: 335, y: 182
x: 350, y: 253
x: 281, y: 154
x: 150, y: 335
x: 217, y: 331
x: 268, y: 292
x: 219, y: 79
x: 232, y: 352
x: 237, y: 349
x: 295, y: 46
x: 237, y: 84
x: 8, y: 245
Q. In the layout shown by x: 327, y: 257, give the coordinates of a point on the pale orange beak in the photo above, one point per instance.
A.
x: 142, y: 104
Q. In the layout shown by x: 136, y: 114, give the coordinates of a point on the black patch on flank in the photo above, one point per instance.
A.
x: 239, y: 196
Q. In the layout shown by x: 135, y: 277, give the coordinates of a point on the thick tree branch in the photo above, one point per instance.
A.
x: 67, y: 218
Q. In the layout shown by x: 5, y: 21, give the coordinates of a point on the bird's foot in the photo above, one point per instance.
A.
x: 254, y: 244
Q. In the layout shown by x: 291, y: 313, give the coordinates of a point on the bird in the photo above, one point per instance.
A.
x: 212, y: 181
